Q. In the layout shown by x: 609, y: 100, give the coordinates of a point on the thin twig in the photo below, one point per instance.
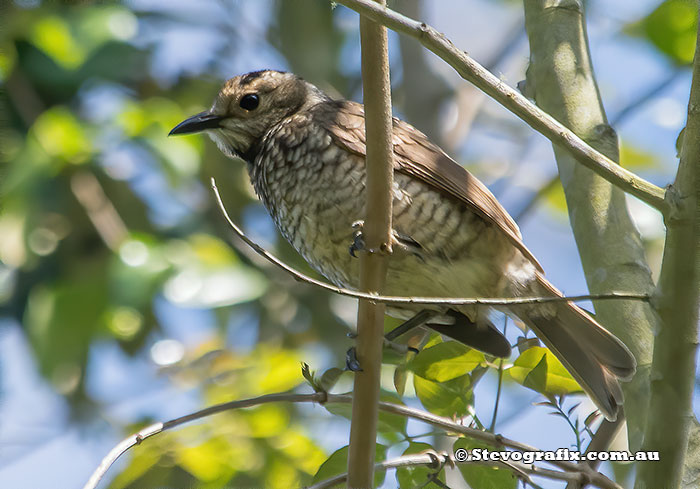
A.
x: 446, y: 424
x: 624, y: 113
x: 122, y: 447
x: 437, y: 461
x: 512, y: 100
x: 492, y: 427
x: 600, y: 442
x: 441, y: 301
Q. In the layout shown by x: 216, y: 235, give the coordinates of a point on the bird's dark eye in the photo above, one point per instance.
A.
x: 249, y: 101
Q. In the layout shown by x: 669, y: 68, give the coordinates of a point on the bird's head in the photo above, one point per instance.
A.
x: 247, y: 107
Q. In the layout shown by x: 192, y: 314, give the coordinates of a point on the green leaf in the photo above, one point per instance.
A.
x: 538, y: 369
x: 337, y: 464
x: 671, y: 28
x: 482, y: 476
x: 416, y: 476
x: 330, y: 378
x: 451, y: 398
x: 445, y: 361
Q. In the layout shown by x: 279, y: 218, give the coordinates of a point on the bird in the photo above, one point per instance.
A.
x: 305, y: 155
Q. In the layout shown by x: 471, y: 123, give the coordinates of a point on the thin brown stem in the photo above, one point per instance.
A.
x: 373, y: 264
x: 440, y: 301
x: 450, y: 426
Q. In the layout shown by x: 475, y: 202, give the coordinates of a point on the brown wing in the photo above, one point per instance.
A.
x: 416, y: 156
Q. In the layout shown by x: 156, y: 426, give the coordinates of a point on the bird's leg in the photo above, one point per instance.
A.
x: 351, y: 362
x: 401, y: 244
x: 418, y: 320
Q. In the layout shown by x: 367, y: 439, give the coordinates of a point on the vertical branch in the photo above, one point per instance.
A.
x: 373, y: 265
x: 673, y: 367
x: 612, y: 254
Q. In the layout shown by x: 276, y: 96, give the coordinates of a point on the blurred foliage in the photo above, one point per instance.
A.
x: 484, y: 477
x: 110, y: 236
x: 672, y: 29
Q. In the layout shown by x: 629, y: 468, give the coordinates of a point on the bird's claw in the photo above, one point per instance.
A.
x: 405, y: 245
x: 358, y: 240
x: 351, y: 361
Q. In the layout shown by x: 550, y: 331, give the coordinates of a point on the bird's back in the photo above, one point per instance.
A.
x: 312, y: 183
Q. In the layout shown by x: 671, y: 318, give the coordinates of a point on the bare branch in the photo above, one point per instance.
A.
x: 441, y: 301
x: 604, y: 435
x: 512, y: 100
x: 122, y: 447
x: 447, y: 424
x: 437, y: 461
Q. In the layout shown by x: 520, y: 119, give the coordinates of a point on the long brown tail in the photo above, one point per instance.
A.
x: 596, y: 358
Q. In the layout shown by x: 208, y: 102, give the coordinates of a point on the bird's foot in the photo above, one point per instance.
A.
x: 351, y: 361
x: 401, y: 244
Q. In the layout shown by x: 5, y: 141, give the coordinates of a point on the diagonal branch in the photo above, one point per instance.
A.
x: 442, y: 301
x: 512, y: 100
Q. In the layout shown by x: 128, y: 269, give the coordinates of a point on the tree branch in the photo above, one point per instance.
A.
x: 604, y: 435
x: 323, y: 398
x: 377, y: 230
x: 612, y: 253
x: 441, y: 301
x: 122, y: 447
x: 673, y: 366
x: 512, y: 100
x: 437, y: 461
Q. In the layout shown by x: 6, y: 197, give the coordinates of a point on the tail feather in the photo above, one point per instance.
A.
x: 595, y: 357
x: 603, y: 344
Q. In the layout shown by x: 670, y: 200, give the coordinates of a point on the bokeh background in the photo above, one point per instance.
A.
x: 122, y: 299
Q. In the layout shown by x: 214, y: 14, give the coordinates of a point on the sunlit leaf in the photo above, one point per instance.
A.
x: 299, y: 447
x: 481, y: 476
x: 208, y: 461
x: 62, y: 136
x: 538, y: 369
x: 445, y: 361
x: 450, y: 398
x: 337, y: 464
x: 52, y: 34
x: 267, y: 420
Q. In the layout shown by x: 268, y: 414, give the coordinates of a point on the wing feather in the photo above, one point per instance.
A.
x: 416, y: 156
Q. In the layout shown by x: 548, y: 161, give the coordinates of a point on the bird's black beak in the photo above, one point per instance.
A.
x: 196, y: 123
